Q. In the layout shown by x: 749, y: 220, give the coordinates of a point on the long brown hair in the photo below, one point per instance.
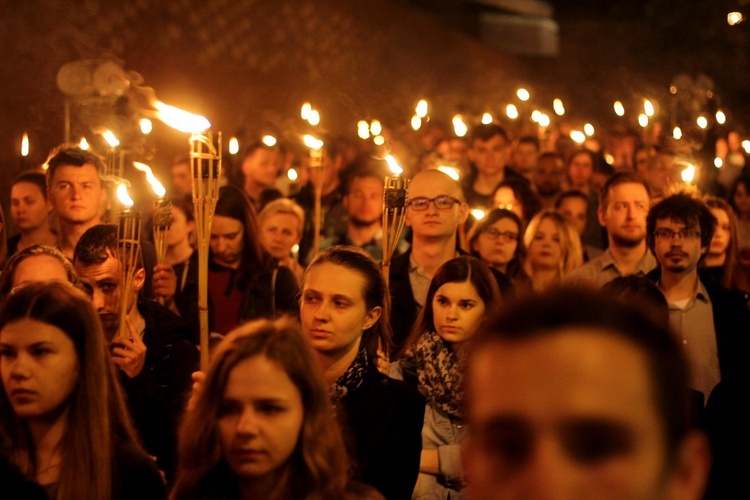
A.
x: 96, y: 409
x: 458, y: 270
x: 732, y: 274
x: 318, y: 465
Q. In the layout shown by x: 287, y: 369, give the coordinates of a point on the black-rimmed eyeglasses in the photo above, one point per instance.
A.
x: 443, y: 202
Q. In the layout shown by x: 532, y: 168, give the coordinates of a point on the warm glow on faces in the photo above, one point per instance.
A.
x: 333, y: 311
x: 624, y: 217
x: 180, y: 229
x: 28, y: 206
x: 262, y: 167
x: 722, y: 235
x: 505, y: 198
x: 226, y: 241
x: 575, y: 209
x: 580, y: 171
x: 364, y: 203
x: 545, y: 249
x: 497, y: 249
x: 39, y: 368
x: 259, y: 420
x: 600, y: 437
x: 279, y: 233
x: 457, y: 311
x: 489, y: 156
x: 75, y: 193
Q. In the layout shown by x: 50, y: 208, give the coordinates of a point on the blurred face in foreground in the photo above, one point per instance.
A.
x: 553, y: 417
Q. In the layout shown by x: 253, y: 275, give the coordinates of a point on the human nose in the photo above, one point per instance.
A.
x: 19, y: 367
x: 247, y: 425
x: 545, y: 473
x: 321, y: 313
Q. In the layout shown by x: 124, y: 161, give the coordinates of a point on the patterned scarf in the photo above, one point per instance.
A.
x: 351, y: 379
x: 440, y: 373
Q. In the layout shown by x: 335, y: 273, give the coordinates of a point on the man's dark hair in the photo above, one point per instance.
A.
x: 529, y: 139
x: 642, y: 293
x: 99, y: 243
x: 486, y: 132
x: 573, y: 193
x: 683, y: 208
x: 574, y: 308
x: 72, y: 157
x: 581, y: 151
x: 549, y: 155
x: 616, y: 180
x: 252, y: 148
x: 363, y: 168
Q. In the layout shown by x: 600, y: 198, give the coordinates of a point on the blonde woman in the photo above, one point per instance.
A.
x: 553, y: 249
x: 281, y: 222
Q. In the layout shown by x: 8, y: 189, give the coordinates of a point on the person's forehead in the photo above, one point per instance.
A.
x: 495, y: 140
x: 109, y: 269
x: 574, y: 204
x: 581, y: 159
x: 572, y: 373
x: 85, y: 172
x: 675, y: 223
x: 366, y: 184
x: 629, y: 191
x: 432, y: 183
x: 23, y: 188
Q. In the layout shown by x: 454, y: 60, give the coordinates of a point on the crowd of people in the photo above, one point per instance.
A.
x: 550, y: 325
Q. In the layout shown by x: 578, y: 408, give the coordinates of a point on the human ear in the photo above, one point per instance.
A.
x: 372, y: 317
x: 688, y: 475
x: 139, y: 279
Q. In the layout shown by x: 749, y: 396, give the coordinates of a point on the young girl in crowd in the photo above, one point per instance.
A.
x: 553, y: 249
x: 261, y: 425
x: 30, y: 211
x: 343, y: 312
x: 722, y: 257
x: 497, y: 240
x: 462, y: 293
x: 60, y: 403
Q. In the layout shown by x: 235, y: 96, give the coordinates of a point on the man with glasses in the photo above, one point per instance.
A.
x: 625, y: 200
x: 709, y: 319
x: 434, y: 211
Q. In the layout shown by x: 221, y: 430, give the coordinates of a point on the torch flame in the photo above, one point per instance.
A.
x: 122, y: 195
x: 110, y: 138
x: 305, y: 111
x: 688, y: 174
x: 234, y: 146
x: 311, y: 142
x: 181, y: 120
x: 146, y: 126
x: 393, y: 165
x: 421, y: 109
x: 25, y: 145
x: 292, y: 175
x: 84, y: 144
x: 450, y: 172
x: 155, y: 184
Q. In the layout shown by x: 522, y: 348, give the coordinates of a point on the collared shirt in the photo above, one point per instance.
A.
x: 419, y: 280
x: 603, y: 269
x: 693, y: 321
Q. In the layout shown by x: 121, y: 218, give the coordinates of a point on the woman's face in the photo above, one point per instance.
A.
x: 497, y: 244
x: 28, y: 206
x: 260, y: 419
x: 39, y: 367
x: 545, y: 250
x: 333, y: 309
x: 506, y: 198
x: 722, y: 235
x: 741, y: 199
x: 180, y: 229
x: 279, y: 233
x: 457, y: 311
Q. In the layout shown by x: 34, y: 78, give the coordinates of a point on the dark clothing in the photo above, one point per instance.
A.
x: 382, y: 421
x: 186, y: 294
x: 404, y: 309
x: 731, y: 320
x: 727, y: 419
x: 333, y: 217
x: 272, y: 293
x: 135, y: 476
x: 13, y: 245
x: 157, y: 396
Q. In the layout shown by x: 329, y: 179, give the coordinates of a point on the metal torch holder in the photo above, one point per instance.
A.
x: 162, y: 223
x: 394, y: 217
x: 205, y: 164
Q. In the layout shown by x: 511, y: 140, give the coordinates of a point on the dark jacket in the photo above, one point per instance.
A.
x: 404, y: 309
x: 273, y: 292
x: 382, y: 422
x: 731, y: 320
x: 157, y: 396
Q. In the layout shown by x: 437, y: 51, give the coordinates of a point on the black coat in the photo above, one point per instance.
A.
x: 157, y: 396
x: 382, y: 422
x: 731, y: 320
